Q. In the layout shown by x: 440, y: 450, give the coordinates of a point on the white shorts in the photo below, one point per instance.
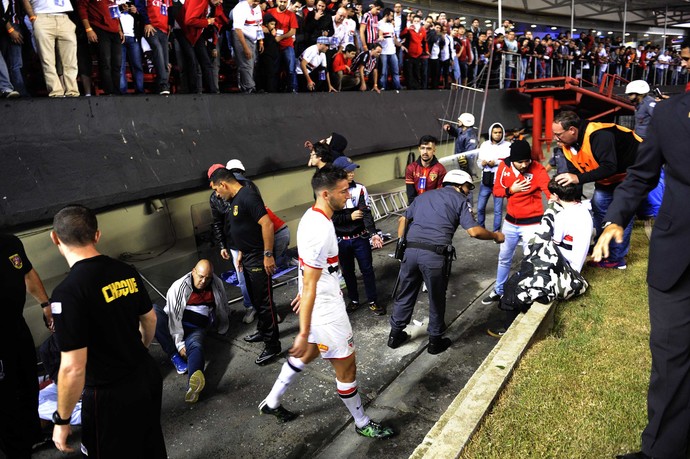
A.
x: 334, y: 339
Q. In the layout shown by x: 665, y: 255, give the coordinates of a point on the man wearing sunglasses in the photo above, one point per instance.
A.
x: 600, y: 153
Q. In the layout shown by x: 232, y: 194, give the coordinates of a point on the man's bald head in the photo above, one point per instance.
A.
x: 202, y: 274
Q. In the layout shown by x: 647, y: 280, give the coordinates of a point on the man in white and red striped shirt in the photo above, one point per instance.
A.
x: 324, y: 327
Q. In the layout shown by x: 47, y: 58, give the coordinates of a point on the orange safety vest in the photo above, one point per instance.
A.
x: 584, y: 161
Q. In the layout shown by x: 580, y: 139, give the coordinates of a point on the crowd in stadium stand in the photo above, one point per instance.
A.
x: 67, y: 48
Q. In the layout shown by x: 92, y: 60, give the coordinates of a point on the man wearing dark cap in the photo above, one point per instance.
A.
x: 354, y: 226
x: 521, y: 181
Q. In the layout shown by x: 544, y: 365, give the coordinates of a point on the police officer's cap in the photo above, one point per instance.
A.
x: 457, y: 177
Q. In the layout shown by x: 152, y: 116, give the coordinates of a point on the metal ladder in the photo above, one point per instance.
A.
x: 384, y: 205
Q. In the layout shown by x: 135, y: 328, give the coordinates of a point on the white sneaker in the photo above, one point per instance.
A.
x: 249, y: 315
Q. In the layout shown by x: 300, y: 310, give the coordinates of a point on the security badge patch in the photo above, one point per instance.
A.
x: 16, y: 261
x: 235, y: 210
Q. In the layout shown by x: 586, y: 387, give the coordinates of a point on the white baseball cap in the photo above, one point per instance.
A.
x: 235, y: 164
x: 466, y: 119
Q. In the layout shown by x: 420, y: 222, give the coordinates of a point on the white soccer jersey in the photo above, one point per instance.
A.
x: 573, y: 232
x: 317, y: 245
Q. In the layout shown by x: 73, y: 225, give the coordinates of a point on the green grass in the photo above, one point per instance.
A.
x: 581, y: 392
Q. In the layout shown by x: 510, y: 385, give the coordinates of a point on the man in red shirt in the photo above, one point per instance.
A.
x: 414, y: 45
x: 426, y: 173
x: 101, y: 19
x: 286, y: 28
x: 521, y: 181
x: 343, y: 77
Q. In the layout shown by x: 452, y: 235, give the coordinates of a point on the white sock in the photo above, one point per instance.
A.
x: 350, y: 397
x: 291, y: 368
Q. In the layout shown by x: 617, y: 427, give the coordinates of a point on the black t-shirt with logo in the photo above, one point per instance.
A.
x: 13, y: 267
x: 246, y: 209
x: 98, y: 307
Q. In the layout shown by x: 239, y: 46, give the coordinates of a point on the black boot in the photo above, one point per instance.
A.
x: 438, y: 344
x: 397, y: 338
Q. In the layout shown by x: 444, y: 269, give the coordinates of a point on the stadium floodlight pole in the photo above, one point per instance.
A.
x: 665, y: 26
x: 625, y: 17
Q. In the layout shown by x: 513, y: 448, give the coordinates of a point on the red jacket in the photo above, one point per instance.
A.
x: 339, y: 63
x: 415, y: 41
x: 193, y: 18
x: 525, y: 207
x: 99, y: 14
x: 151, y: 12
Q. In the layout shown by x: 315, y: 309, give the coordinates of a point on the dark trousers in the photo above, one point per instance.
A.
x: 260, y: 289
x: 123, y: 419
x: 109, y: 60
x: 349, y: 250
x: 420, y: 266
x: 413, y: 72
x: 19, y: 424
x: 434, y: 73
x: 668, y: 399
x: 197, y: 56
x: 160, y: 57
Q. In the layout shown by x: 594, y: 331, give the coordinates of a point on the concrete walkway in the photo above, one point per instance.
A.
x: 407, y: 387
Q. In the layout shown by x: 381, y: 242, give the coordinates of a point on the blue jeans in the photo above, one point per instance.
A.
x: 159, y: 55
x: 456, y: 70
x: 247, y: 300
x: 193, y: 341
x: 600, y: 204
x: 5, y: 84
x: 359, y: 248
x: 523, y: 70
x: 132, y: 49
x: 389, y: 61
x: 281, y: 240
x: 13, y: 58
x: 287, y: 59
x: 513, y: 234
x: 482, y: 200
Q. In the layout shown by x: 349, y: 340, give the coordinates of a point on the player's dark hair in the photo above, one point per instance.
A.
x: 323, y: 150
x: 567, y: 119
x: 428, y: 139
x: 222, y: 175
x: 568, y: 193
x: 327, y: 178
x: 75, y: 225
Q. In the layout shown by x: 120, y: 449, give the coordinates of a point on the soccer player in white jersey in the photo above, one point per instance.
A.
x: 324, y: 327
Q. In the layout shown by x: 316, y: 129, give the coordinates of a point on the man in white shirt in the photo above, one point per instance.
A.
x: 246, y: 24
x: 572, y: 229
x: 491, y: 153
x: 312, y: 71
x: 389, y: 59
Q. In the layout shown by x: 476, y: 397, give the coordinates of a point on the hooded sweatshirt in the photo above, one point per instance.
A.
x: 489, y: 151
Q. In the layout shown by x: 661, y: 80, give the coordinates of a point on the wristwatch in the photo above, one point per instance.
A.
x: 268, y: 253
x: 57, y: 420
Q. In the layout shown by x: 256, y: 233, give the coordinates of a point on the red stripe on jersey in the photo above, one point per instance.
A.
x: 316, y: 209
x: 302, y: 263
x: 332, y: 260
x: 568, y: 238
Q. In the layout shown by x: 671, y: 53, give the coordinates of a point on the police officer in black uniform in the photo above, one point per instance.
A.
x: 252, y: 231
x: 104, y: 323
x: 433, y: 218
x: 19, y: 424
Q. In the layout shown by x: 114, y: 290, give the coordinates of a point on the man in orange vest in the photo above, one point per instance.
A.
x: 599, y: 153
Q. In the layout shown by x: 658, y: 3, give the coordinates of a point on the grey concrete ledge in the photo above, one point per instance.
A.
x: 454, y: 429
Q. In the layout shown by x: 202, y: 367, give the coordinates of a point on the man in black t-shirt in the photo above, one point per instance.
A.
x: 99, y: 310
x: 252, y: 231
x: 19, y: 424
